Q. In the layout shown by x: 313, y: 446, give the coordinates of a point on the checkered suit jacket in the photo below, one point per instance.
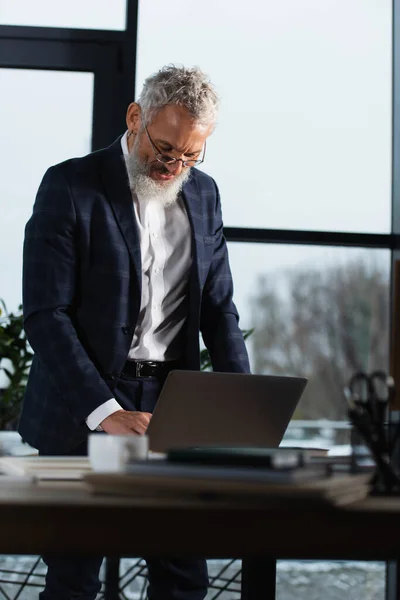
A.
x: 82, y: 291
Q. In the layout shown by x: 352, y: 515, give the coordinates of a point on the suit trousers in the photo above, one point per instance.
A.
x: 169, y: 579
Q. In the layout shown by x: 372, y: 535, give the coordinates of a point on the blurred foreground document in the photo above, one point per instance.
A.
x: 165, y: 479
x: 46, y: 467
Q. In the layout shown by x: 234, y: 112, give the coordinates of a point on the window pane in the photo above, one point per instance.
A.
x: 317, y: 312
x: 330, y: 580
x: 89, y: 14
x: 304, y: 138
x: 46, y: 117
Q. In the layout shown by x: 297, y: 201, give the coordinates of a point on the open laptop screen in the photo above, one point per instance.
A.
x: 223, y: 409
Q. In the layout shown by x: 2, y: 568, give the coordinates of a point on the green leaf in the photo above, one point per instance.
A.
x: 16, y: 349
x: 7, y: 372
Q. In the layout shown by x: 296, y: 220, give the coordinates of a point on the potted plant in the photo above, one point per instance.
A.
x: 15, y: 361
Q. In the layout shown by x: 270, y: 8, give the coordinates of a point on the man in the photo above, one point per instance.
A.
x: 124, y: 264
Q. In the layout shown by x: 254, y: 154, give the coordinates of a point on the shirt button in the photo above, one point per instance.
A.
x: 155, y: 306
x: 128, y: 330
x: 156, y: 270
x: 155, y: 235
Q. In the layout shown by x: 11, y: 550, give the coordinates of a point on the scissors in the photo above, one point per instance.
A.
x: 372, y: 392
x: 368, y: 397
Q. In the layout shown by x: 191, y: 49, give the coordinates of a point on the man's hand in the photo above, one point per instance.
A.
x: 124, y: 422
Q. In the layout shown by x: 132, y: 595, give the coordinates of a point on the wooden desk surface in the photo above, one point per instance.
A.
x: 64, y: 517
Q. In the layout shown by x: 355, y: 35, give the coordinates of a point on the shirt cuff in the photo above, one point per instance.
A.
x: 102, y: 412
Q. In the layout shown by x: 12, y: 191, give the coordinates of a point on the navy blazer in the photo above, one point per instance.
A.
x: 82, y: 292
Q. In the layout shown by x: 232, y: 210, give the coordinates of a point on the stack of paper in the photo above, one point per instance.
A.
x: 45, y: 467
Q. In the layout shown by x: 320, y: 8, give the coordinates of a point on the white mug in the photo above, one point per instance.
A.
x: 114, y: 452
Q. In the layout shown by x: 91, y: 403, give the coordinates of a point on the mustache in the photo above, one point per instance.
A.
x: 159, y: 167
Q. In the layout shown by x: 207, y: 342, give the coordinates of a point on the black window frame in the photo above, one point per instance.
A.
x: 110, y: 55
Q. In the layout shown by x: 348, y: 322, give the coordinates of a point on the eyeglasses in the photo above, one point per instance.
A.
x: 170, y: 160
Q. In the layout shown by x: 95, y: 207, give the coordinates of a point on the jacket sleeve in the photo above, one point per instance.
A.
x: 219, y: 319
x: 50, y: 274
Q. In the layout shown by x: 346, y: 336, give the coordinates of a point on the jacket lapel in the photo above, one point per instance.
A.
x: 194, y: 207
x: 115, y: 181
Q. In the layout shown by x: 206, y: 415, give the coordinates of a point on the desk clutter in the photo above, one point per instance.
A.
x: 238, y: 474
x: 163, y: 478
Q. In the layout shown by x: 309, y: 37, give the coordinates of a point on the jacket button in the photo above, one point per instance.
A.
x: 128, y: 330
x: 115, y: 375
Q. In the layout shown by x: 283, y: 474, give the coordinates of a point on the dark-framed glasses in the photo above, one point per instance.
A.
x: 170, y: 160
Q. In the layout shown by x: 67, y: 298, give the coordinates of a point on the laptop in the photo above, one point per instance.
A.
x: 200, y: 408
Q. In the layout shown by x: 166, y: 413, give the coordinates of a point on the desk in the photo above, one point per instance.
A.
x: 51, y: 517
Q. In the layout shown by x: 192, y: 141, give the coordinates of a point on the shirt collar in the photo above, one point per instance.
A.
x: 124, y: 144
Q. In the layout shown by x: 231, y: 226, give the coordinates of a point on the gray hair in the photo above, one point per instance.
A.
x: 189, y: 88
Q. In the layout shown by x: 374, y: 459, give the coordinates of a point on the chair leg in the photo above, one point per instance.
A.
x: 258, y: 579
x: 111, y: 583
x: 392, y: 580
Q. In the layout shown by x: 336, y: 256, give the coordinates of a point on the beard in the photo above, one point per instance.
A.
x: 145, y: 187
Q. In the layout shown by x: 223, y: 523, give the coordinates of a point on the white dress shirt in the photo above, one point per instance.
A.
x: 165, y: 247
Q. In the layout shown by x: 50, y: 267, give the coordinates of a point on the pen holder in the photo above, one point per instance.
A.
x: 386, y: 478
x: 368, y: 397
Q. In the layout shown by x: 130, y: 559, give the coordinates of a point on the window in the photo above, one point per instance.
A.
x: 46, y: 117
x: 305, y: 127
x: 317, y: 312
x: 89, y: 14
